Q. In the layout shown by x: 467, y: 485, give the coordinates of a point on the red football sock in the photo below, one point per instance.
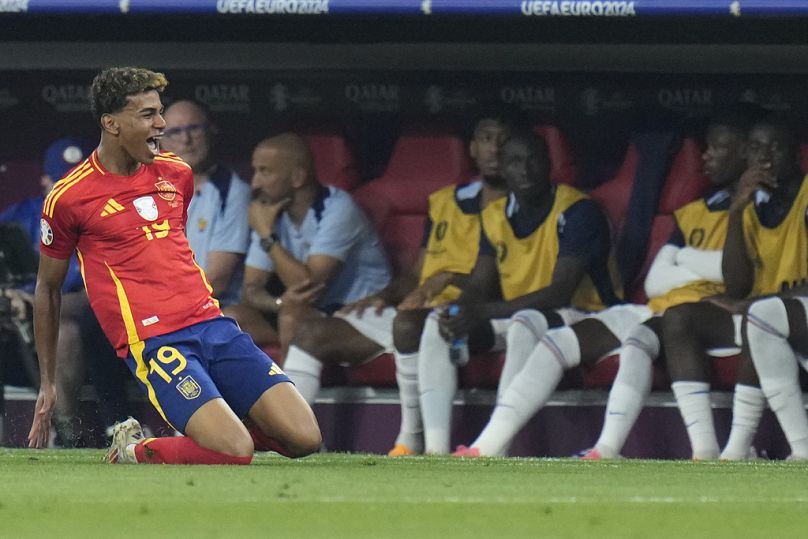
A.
x: 262, y: 442
x: 181, y: 450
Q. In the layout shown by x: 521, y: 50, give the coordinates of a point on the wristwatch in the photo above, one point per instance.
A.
x: 269, y: 241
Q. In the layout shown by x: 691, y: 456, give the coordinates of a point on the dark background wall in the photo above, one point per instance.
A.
x: 598, y: 79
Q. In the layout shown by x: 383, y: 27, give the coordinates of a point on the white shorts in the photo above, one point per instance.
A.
x: 729, y: 351
x: 376, y: 327
x: 621, y: 319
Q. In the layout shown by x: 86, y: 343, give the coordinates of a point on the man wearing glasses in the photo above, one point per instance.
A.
x: 217, y: 226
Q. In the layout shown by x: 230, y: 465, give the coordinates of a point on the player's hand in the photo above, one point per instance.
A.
x: 263, y: 213
x: 755, y: 178
x: 305, y: 292
x: 417, y: 299
x: 40, y: 428
x: 376, y: 303
x: 457, y: 326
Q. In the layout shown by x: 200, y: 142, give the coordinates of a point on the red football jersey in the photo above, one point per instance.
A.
x: 129, y: 233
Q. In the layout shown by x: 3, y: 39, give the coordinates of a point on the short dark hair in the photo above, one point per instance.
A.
x: 503, y: 113
x: 739, y: 117
x: 112, y: 86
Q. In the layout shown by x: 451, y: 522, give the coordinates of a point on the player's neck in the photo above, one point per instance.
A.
x: 301, y: 202
x: 490, y: 194
x: 115, y: 160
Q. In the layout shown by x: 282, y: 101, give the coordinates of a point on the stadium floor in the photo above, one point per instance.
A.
x: 71, y: 493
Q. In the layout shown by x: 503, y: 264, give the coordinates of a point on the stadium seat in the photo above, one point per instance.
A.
x: 334, y: 161
x: 614, y: 194
x: 563, y: 164
x: 428, y: 154
x: 685, y: 181
x: 379, y: 372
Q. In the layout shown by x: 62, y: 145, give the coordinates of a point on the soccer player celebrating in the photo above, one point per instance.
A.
x: 123, y: 210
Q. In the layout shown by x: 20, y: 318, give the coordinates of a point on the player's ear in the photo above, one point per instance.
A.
x: 299, y: 177
x: 110, y: 124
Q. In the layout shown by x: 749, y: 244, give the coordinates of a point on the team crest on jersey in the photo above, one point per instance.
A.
x: 166, y: 190
x: 46, y: 233
x: 146, y: 207
x: 189, y: 388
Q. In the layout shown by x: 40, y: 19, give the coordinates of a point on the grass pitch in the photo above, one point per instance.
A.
x: 61, y: 493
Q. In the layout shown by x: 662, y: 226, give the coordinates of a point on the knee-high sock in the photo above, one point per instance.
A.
x: 181, y: 450
x: 411, y: 432
x: 776, y: 364
x: 437, y: 385
x: 525, y: 330
x: 530, y: 390
x: 693, y: 399
x: 304, y: 370
x: 630, y: 389
x: 748, y: 403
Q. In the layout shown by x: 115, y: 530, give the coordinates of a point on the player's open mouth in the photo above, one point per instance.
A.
x: 154, y: 144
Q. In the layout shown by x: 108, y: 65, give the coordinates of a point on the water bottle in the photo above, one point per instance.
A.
x: 458, y: 348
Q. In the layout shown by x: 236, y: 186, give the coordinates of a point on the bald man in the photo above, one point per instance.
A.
x: 314, y: 238
x: 217, y: 226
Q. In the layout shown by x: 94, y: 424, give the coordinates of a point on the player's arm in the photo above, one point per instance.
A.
x: 665, y: 272
x: 47, y: 307
x: 220, y: 270
x: 567, y: 274
x: 737, y: 265
x: 254, y: 293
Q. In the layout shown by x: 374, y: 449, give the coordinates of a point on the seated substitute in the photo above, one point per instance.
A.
x: 217, y: 226
x: 363, y: 330
x: 545, y: 247
x: 687, y: 268
x: 766, y: 234
x: 314, y: 238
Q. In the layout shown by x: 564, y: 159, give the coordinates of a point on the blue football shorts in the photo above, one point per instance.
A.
x: 182, y: 370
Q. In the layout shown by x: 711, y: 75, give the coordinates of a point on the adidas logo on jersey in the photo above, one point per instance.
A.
x: 111, y: 207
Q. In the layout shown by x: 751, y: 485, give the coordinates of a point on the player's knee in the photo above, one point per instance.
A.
x: 240, y: 445
x: 314, y: 337
x: 769, y: 316
x: 644, y: 338
x: 306, y: 441
x: 678, y: 320
x: 407, y: 329
x: 527, y: 324
x: 562, y: 344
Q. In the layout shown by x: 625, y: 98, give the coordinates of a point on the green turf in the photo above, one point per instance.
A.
x: 64, y: 493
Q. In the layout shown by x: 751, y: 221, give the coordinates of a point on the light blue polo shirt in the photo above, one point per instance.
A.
x: 217, y: 221
x: 334, y: 226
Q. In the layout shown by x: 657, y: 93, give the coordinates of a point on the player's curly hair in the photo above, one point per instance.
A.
x: 113, y: 85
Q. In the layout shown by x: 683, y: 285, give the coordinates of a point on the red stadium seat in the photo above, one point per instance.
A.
x: 399, y: 216
x: 563, y: 164
x: 428, y: 154
x: 614, y: 194
x: 380, y: 372
x: 334, y: 161
x: 685, y: 181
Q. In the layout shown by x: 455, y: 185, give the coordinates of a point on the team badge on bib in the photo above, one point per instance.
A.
x: 146, y: 207
x: 45, y: 232
x: 189, y: 388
